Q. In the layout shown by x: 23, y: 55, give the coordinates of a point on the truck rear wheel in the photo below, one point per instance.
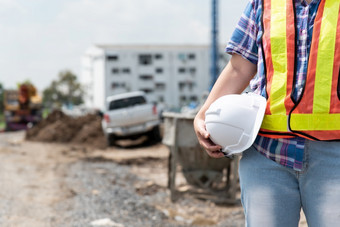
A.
x: 110, y: 139
x: 155, y: 134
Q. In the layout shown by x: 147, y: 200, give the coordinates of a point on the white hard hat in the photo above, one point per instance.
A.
x: 233, y: 121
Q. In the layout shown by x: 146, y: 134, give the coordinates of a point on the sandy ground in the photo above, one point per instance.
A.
x: 49, y: 184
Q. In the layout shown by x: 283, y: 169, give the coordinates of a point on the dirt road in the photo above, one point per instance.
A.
x: 31, y: 181
x: 47, y: 184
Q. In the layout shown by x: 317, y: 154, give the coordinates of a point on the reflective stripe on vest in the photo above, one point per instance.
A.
x: 317, y: 114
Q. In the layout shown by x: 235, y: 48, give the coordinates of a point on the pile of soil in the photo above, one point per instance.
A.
x: 59, y: 127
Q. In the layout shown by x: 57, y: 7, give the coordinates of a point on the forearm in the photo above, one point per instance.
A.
x: 234, y: 78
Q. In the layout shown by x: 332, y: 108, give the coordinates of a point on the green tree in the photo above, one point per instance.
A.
x: 27, y: 82
x: 66, y: 90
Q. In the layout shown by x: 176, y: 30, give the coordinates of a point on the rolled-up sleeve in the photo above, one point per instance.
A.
x: 243, y: 39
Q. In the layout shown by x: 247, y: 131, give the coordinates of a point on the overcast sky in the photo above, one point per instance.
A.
x: 39, y: 38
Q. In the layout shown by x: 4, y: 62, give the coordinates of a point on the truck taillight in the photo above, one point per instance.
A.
x: 154, y: 109
x: 107, y: 118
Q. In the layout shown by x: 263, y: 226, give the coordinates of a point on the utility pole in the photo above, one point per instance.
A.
x: 214, y: 70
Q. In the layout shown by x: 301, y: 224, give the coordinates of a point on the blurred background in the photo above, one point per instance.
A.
x: 41, y: 38
x: 97, y: 99
x: 107, y: 47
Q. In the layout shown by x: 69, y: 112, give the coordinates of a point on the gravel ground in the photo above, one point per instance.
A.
x: 65, y: 185
x: 107, y: 190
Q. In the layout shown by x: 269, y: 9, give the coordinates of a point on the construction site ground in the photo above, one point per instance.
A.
x: 54, y: 184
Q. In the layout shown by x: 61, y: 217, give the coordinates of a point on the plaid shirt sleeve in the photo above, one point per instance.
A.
x: 243, y: 39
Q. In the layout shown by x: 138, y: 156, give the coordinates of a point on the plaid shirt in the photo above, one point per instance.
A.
x: 245, y: 41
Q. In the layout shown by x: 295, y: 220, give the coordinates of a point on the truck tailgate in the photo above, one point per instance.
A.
x: 131, y: 116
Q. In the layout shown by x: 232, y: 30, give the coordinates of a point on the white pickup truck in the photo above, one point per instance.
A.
x: 130, y: 115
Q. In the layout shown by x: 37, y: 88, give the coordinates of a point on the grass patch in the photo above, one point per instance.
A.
x: 2, y: 121
x: 45, y: 113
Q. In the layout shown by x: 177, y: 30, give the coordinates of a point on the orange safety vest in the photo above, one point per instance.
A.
x: 316, y: 114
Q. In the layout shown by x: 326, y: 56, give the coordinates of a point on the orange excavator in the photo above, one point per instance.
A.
x: 23, y: 107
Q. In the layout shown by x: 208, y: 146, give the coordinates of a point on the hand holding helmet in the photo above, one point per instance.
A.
x: 203, y: 137
x: 233, y: 121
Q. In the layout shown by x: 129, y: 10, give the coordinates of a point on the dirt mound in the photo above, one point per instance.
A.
x: 58, y: 127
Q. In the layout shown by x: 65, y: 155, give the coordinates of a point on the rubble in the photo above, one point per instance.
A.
x: 72, y: 190
x: 105, y: 222
x: 59, y: 127
x: 148, y: 188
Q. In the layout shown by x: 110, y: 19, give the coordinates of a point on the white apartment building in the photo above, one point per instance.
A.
x: 174, y: 75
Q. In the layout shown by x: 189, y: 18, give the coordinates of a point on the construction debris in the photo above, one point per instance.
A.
x: 59, y: 127
x: 106, y: 222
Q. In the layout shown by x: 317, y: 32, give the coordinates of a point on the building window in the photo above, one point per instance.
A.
x: 183, y: 99
x: 115, y: 70
x: 181, y: 70
x: 160, y: 86
x: 159, y: 70
x: 146, y: 90
x: 145, y: 59
x: 191, y: 85
x: 146, y: 77
x: 193, y: 98
x: 182, y: 57
x: 191, y: 56
x: 115, y: 85
x: 112, y: 57
x: 160, y: 99
x: 181, y: 86
x: 126, y: 70
x: 158, y: 56
x: 192, y: 70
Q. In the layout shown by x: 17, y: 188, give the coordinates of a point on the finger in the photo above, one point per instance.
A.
x: 209, y: 147
x: 208, y: 143
x: 215, y: 154
x: 202, y: 132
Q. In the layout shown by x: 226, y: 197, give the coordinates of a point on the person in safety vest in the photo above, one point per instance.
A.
x: 289, y: 52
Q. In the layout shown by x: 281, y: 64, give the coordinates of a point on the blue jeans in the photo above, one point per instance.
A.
x: 273, y: 195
